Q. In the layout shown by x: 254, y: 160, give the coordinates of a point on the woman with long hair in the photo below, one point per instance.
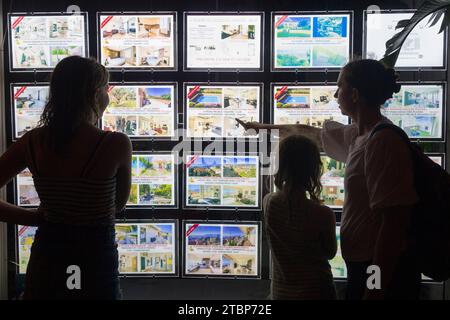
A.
x: 379, y: 182
x: 301, y: 232
x: 82, y: 176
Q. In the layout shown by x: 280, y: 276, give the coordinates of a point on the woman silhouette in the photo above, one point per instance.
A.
x: 82, y: 176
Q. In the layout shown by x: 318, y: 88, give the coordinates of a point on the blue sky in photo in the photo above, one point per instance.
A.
x: 157, y: 91
x: 165, y: 227
x: 232, y: 232
x: 239, y: 160
x: 204, y: 230
x: 303, y: 21
x: 206, y: 162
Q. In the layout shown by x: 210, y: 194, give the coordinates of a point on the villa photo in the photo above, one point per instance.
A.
x: 203, y: 195
x: 156, y: 234
x: 58, y: 53
x: 234, y: 129
x: 418, y: 126
x: 293, y: 57
x: 203, y: 264
x: 240, y: 98
x: 294, y: 98
x: 338, y: 267
x: 126, y: 234
x: 154, y: 27
x: 204, y: 166
x: 28, y: 195
x: 122, y: 97
x: 119, y: 56
x: 239, y: 236
x: 26, y: 123
x: 323, y: 97
x: 133, y: 198
x: 294, y: 27
x: 204, y: 235
x: 330, y: 56
x: 239, y: 195
x: 26, y: 236
x: 128, y: 262
x: 205, y: 97
x: 238, y: 32
x: 156, y: 262
x: 154, y: 166
x: 330, y: 27
x: 155, y: 97
x: 31, y: 56
x: 239, y: 264
x: 333, y: 195
x: 32, y: 98
x: 155, y: 194
x: 155, y: 126
x: 124, y: 124
x: 154, y: 56
x: 205, y: 126
x: 31, y: 28
x: 426, y: 97
x: 239, y: 167
x: 332, y: 169
x: 119, y: 27
x: 66, y: 27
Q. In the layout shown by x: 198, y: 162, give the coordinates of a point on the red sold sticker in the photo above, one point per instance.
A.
x: 190, y: 162
x: 22, y: 230
x: 280, y: 21
x: 105, y: 22
x: 193, y: 91
x: 191, y: 229
x: 17, y: 21
x: 19, y: 92
x: 280, y: 92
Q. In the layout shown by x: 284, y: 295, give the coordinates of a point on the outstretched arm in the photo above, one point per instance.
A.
x: 285, y: 130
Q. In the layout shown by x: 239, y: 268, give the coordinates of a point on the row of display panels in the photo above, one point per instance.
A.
x: 218, y: 40
x: 213, y: 181
x: 150, y: 111
x: 216, y: 249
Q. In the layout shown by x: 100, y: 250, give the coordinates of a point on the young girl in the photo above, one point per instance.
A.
x: 300, y: 231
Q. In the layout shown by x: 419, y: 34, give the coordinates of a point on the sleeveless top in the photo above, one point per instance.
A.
x: 76, y: 200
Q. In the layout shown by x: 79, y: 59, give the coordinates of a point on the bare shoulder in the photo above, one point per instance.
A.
x: 273, y: 198
x: 325, y: 213
x: 120, y: 141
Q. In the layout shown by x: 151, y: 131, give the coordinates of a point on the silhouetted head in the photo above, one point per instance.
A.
x: 299, y: 168
x: 365, y: 83
x: 78, y: 94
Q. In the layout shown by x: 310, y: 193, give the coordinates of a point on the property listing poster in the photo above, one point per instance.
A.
x: 311, y: 41
x: 40, y: 42
x: 338, y: 267
x: 221, y: 249
x: 29, y: 103
x: 222, y: 181
x: 153, y: 180
x: 25, y: 238
x: 305, y: 105
x: 141, y: 111
x: 332, y: 180
x: 223, y: 41
x: 212, y: 110
x: 137, y: 41
x: 438, y: 159
x: 418, y: 110
x: 424, y: 46
x: 146, y: 248
x: 26, y: 192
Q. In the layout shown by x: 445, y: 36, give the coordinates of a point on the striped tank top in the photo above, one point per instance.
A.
x: 76, y: 201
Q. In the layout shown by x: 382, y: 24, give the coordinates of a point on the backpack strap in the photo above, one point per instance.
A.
x: 394, y: 128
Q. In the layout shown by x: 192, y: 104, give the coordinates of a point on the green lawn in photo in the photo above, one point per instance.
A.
x: 294, y: 34
x: 133, y: 199
x: 239, y: 171
x: 323, y: 56
x: 286, y: 60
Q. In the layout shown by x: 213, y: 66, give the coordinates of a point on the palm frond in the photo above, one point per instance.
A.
x: 428, y: 7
